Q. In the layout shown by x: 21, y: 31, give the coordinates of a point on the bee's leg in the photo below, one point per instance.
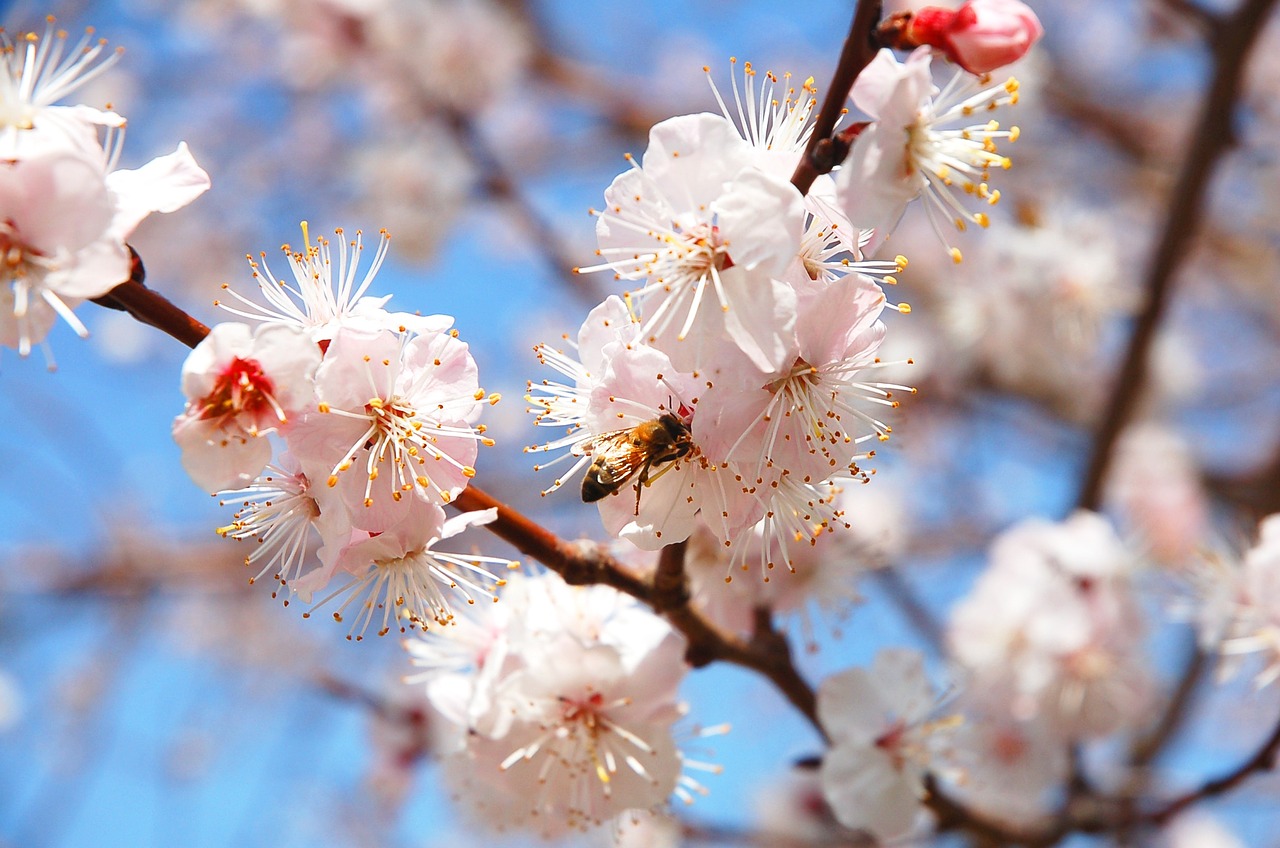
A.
x: 643, y: 481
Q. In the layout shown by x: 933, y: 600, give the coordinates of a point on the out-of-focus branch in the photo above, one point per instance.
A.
x: 823, y: 151
x: 1230, y: 46
x: 920, y: 617
x: 501, y: 186
x: 1264, y: 759
x: 1197, y: 13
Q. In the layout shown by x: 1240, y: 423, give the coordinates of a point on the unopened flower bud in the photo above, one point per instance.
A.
x: 980, y: 36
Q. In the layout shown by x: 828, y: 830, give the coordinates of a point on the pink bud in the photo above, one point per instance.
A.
x: 980, y: 36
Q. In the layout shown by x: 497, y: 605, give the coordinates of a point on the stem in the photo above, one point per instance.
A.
x: 151, y: 307
x: 1230, y: 45
x: 1264, y: 759
x: 824, y: 152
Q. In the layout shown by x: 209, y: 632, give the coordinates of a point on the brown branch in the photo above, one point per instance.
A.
x: 1230, y: 45
x: 582, y: 563
x: 824, y: 152
x: 1264, y: 759
x: 920, y: 617
x: 151, y: 307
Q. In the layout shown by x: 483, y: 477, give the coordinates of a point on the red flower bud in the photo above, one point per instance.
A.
x: 980, y: 36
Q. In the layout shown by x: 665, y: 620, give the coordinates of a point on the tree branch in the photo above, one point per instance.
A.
x: 824, y: 152
x: 1264, y: 759
x: 1230, y: 45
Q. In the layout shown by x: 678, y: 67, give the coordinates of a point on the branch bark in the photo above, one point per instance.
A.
x: 823, y: 151
x: 1230, y: 44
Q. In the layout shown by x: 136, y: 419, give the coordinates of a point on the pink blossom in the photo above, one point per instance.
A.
x: 240, y: 385
x: 65, y: 221
x: 706, y: 232
x: 394, y: 422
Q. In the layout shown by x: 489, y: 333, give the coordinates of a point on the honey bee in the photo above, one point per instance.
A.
x: 623, y: 454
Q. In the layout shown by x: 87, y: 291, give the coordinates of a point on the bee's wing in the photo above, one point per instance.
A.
x: 617, y: 456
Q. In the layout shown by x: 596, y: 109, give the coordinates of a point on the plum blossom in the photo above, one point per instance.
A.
x: 394, y: 419
x: 283, y: 511
x: 1256, y: 625
x: 1053, y: 628
x: 323, y: 296
x: 912, y: 148
x: 66, y: 216
x: 400, y: 572
x: 241, y: 385
x: 1007, y: 768
x: 622, y: 383
x: 882, y: 742
x: 35, y: 75
x: 565, y: 712
x: 1156, y: 485
x: 810, y: 415
x: 706, y: 232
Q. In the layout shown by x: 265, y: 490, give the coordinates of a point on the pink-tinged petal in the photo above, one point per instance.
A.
x: 357, y: 366
x: 866, y: 792
x: 761, y: 220
x: 902, y: 683
x: 92, y: 271
x: 225, y: 342
x: 667, y: 510
x: 475, y: 518
x: 607, y: 323
x: 217, y: 460
x: 58, y: 202
x: 891, y: 92
x: 635, y: 195
x: 850, y: 707
x: 760, y: 318
x: 834, y: 319
x: 289, y: 358
x: 874, y: 184
x: 695, y: 155
x: 164, y: 184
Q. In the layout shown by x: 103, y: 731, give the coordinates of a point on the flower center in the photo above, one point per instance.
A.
x: 242, y: 388
x: 705, y: 249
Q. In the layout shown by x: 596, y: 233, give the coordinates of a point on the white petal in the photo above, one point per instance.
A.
x: 164, y: 184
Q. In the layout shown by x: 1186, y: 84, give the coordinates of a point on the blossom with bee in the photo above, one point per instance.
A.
x: 626, y: 391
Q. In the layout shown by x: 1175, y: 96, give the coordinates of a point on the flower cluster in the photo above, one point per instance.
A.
x: 732, y: 385
x: 374, y: 414
x: 65, y: 209
x: 561, y: 701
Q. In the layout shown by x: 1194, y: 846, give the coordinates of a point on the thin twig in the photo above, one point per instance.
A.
x: 902, y: 596
x: 824, y: 152
x: 1264, y: 759
x: 1230, y: 47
